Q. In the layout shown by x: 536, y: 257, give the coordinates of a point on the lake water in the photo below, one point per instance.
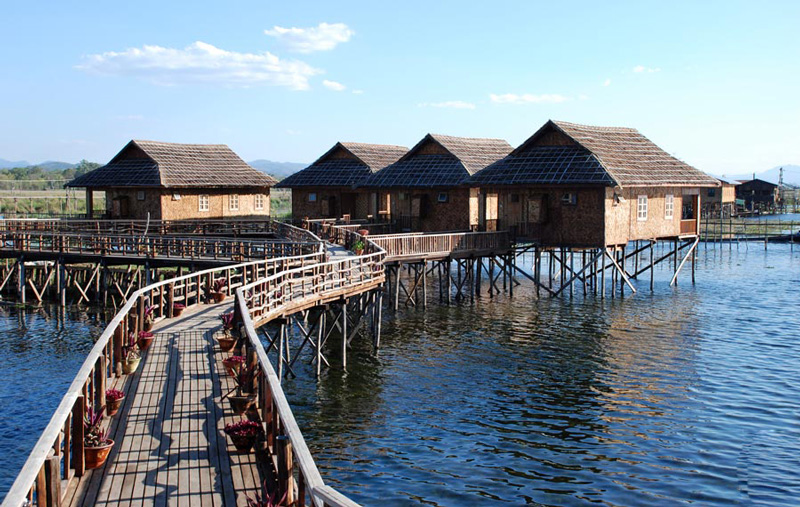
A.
x: 686, y: 395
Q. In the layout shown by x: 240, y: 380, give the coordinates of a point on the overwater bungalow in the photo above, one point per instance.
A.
x: 327, y: 188
x: 574, y: 185
x: 170, y: 181
x: 719, y: 202
x: 424, y: 191
x: 758, y: 195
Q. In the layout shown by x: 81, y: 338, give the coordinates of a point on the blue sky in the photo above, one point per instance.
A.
x: 714, y: 83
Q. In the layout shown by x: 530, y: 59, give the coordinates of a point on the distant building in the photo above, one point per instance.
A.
x: 574, y: 185
x: 169, y: 181
x: 758, y: 195
x: 425, y: 191
x: 720, y: 201
x: 326, y: 188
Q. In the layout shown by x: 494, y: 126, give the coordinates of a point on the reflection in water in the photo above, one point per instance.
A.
x: 683, y: 395
x: 41, y: 350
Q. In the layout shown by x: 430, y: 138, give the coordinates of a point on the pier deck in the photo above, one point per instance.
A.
x: 171, y: 448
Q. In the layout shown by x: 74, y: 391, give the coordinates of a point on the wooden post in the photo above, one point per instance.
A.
x: 78, y: 411
x: 652, y: 267
x: 52, y: 475
x: 21, y: 279
x: 285, y: 466
x: 603, y: 276
x: 344, y: 335
x: 89, y: 203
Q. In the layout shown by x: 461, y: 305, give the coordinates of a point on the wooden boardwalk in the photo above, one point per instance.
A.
x: 171, y: 448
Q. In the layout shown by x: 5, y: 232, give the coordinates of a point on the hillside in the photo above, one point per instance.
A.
x: 279, y: 170
x: 791, y: 175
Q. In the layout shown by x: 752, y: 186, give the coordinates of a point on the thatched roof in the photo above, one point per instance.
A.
x: 172, y: 165
x: 568, y: 153
x: 440, y: 161
x: 345, y: 165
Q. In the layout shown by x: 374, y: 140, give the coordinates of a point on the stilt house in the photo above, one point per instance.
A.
x: 326, y: 188
x: 758, y: 195
x: 719, y: 202
x: 424, y: 190
x: 582, y: 186
x: 169, y: 181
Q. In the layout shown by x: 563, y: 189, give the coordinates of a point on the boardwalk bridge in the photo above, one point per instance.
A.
x: 169, y: 434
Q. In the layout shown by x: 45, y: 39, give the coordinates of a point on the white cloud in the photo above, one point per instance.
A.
x: 641, y: 68
x: 583, y: 96
x: 333, y: 85
x: 358, y: 92
x: 607, y: 82
x: 450, y: 104
x: 527, y: 98
x: 307, y: 40
x: 201, y: 63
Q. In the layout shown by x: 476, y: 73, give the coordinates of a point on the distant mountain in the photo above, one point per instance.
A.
x: 279, y: 170
x: 9, y: 164
x: 51, y: 165
x: 791, y: 174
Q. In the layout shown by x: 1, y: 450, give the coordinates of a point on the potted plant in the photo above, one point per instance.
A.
x: 217, y: 291
x: 243, y: 434
x: 363, y: 232
x: 232, y: 364
x: 147, y: 325
x: 114, y: 399
x: 130, y: 356
x: 245, y: 380
x: 177, y: 309
x: 358, y: 247
x: 96, y: 444
x: 226, y: 340
x: 145, y: 339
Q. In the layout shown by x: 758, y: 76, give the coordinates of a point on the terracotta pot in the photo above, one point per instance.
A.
x: 112, y: 407
x: 129, y: 365
x: 219, y: 297
x: 144, y: 343
x: 363, y: 232
x: 94, y: 457
x: 240, y: 404
x: 243, y: 443
x: 226, y: 342
x: 232, y: 367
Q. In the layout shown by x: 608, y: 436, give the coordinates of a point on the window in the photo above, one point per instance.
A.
x: 259, y: 201
x: 669, y: 206
x: 140, y: 195
x: 442, y: 197
x: 712, y: 192
x: 176, y: 197
x: 202, y: 202
x: 233, y: 202
x: 569, y: 198
x: 641, y: 208
x: 312, y: 197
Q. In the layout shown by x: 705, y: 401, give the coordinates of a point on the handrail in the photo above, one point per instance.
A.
x: 287, y: 292
x: 155, y: 227
x: 88, y: 386
x: 152, y: 246
x: 447, y: 243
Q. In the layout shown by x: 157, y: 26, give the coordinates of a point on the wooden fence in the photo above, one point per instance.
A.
x: 399, y: 246
x: 738, y: 229
x: 57, y: 458
x: 171, y: 247
x: 227, y: 227
x: 281, y: 294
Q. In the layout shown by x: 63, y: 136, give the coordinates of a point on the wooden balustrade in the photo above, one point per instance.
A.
x: 689, y: 226
x: 155, y: 246
x: 226, y: 227
x: 56, y: 457
x: 419, y: 245
x: 283, y: 293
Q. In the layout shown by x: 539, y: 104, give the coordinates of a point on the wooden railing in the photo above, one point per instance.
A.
x: 57, y: 458
x: 758, y: 229
x: 219, y: 227
x: 281, y: 294
x: 419, y: 245
x: 178, y: 247
x: 328, y: 229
